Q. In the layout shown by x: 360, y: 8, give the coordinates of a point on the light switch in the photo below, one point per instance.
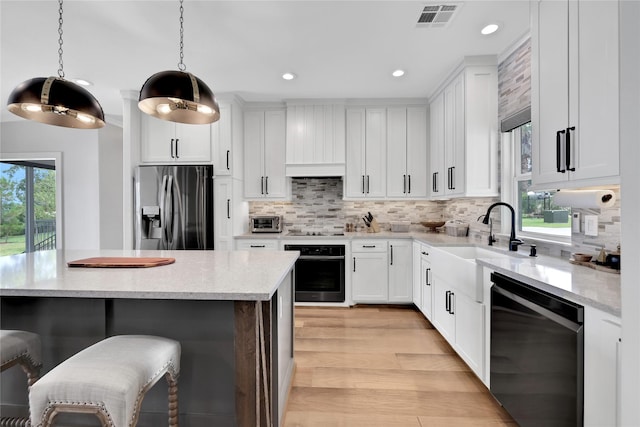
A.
x: 591, y: 225
x: 575, y: 222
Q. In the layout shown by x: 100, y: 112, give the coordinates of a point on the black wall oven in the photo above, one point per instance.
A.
x: 319, y: 273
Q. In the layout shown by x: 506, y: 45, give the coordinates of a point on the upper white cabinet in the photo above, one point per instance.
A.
x: 366, y: 152
x: 315, y: 140
x: 575, y: 93
x: 464, y: 131
x: 226, y: 138
x: 407, y: 152
x: 264, y: 154
x: 163, y: 141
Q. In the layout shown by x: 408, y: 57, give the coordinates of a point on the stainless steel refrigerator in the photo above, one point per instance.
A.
x: 174, y: 207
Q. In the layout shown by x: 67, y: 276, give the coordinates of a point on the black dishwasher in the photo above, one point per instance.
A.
x: 537, y: 354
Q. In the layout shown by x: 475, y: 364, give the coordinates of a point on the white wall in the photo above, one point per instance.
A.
x: 110, y: 181
x: 80, y: 173
x: 630, y: 189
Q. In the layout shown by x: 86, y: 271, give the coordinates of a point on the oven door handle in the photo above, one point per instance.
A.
x: 321, y: 257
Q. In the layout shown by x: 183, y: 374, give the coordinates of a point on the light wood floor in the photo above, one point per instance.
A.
x: 382, y: 367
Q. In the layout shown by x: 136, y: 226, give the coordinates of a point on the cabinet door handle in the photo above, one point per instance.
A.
x: 409, y: 177
x: 354, y: 264
x: 362, y: 184
x: 228, y: 168
x: 391, y: 247
x: 228, y: 208
x: 258, y: 246
x: 172, y: 155
x: 453, y: 177
x: 568, y: 149
x: 266, y: 185
x: 447, y: 301
x: 559, y: 152
x: 262, y: 185
x: 367, y: 184
x: 435, y: 182
x: 177, y: 140
x: 449, y: 179
x: 452, y: 302
x: 404, y: 184
x: 424, y: 253
x: 427, y: 273
x: 368, y: 246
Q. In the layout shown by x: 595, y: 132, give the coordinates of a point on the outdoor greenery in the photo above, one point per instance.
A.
x: 12, y: 200
x: 12, y: 245
x: 539, y: 222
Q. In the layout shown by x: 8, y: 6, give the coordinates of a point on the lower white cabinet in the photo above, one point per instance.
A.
x: 381, y: 271
x: 256, y: 244
x: 426, y: 285
x: 469, y: 331
x: 444, y: 309
x: 417, y: 276
x: 369, y: 276
x: 400, y: 271
x: 231, y: 212
x: 602, y: 347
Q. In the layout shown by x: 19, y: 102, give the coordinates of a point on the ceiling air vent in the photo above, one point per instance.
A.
x: 437, y: 15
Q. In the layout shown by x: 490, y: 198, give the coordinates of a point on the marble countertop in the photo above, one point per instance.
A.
x: 598, y: 289
x: 195, y: 275
x: 555, y: 275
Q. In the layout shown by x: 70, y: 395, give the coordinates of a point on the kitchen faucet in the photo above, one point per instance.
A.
x: 513, y: 242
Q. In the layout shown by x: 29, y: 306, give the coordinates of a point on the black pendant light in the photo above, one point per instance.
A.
x: 179, y: 96
x: 56, y: 101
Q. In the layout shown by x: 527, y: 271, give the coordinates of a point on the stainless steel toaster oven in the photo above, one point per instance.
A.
x: 265, y: 224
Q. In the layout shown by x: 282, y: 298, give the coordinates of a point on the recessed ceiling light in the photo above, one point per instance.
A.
x: 288, y: 76
x: 81, y: 82
x: 489, y: 29
x: 398, y: 73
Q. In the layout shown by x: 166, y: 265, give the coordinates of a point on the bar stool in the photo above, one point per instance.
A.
x: 24, y: 349
x: 109, y: 380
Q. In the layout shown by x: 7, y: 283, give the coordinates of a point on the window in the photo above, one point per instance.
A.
x: 27, y: 206
x: 537, y: 215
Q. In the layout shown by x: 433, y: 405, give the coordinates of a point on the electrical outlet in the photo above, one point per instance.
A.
x: 591, y: 225
x: 575, y: 222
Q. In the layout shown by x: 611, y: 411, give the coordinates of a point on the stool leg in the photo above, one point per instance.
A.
x: 173, y: 400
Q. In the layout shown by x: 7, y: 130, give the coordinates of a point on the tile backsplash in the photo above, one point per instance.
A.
x: 317, y: 206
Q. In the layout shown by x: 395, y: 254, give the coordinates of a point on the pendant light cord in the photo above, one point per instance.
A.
x: 61, y: 69
x: 181, y: 65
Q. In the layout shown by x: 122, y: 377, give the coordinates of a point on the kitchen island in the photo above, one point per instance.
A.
x: 231, y: 311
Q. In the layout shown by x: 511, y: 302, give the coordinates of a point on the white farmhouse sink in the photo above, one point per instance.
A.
x: 473, y: 252
x: 456, y: 265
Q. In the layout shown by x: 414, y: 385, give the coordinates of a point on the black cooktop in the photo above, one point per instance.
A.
x: 312, y: 234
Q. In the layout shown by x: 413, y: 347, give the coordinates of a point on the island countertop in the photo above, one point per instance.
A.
x: 195, y: 275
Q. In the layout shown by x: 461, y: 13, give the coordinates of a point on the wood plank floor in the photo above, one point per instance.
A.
x: 382, y: 367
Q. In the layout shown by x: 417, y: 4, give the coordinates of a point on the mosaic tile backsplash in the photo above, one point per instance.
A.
x: 317, y: 206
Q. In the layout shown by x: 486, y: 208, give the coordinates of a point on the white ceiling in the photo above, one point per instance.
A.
x: 338, y: 49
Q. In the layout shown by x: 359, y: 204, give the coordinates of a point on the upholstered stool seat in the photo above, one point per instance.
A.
x: 108, y: 379
x: 20, y: 348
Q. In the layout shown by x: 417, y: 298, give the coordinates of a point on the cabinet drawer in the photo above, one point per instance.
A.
x: 369, y: 246
x: 244, y: 245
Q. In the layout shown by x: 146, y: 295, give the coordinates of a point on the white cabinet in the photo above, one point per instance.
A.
x: 400, y: 271
x: 426, y: 284
x: 163, y: 141
x: 602, y: 347
x: 264, y: 153
x: 436, y: 147
x: 369, y: 271
x: 257, y: 244
x: 575, y: 93
x: 315, y: 140
x: 464, y: 131
x: 366, y: 152
x: 231, y: 212
x: 226, y: 138
x: 469, y: 331
x: 417, y: 279
x: 406, y: 152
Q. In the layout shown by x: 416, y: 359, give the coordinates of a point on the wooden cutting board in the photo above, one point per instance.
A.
x: 120, y: 262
